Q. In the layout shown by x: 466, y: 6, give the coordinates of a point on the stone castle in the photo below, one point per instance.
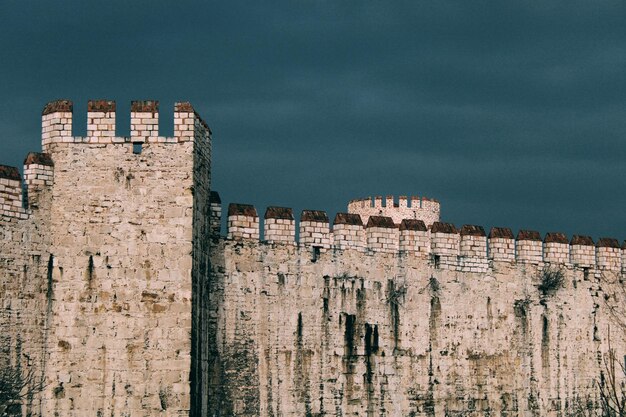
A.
x: 120, y: 296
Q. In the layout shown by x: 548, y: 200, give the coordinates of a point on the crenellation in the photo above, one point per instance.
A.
x: 445, y: 244
x: 243, y: 222
x: 279, y: 225
x: 556, y: 248
x: 427, y: 210
x: 11, y: 204
x: 100, y: 119
x: 382, y: 235
x: 38, y: 177
x: 144, y: 120
x: 315, y: 229
x: 184, y: 121
x: 583, y: 251
x: 608, y: 254
x: 431, y: 206
x: 348, y: 232
x: 414, y: 238
x: 56, y: 123
x: 501, y: 244
x: 473, y: 249
x: 473, y: 241
x: 529, y: 248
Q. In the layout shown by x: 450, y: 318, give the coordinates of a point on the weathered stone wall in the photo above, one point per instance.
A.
x: 417, y: 208
x: 304, y: 330
x: 24, y: 277
x: 119, y: 297
x: 127, y: 230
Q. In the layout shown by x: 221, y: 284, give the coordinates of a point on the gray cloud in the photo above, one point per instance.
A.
x: 510, y: 113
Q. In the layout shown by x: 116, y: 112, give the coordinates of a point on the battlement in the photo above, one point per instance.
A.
x: 448, y: 247
x: 415, y: 207
x: 18, y: 198
x: 11, y: 207
x: 57, y: 120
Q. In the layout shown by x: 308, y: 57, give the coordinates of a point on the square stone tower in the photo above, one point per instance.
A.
x: 128, y: 231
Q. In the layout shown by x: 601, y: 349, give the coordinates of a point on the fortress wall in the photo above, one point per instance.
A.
x: 127, y: 228
x: 414, y: 238
x: 353, y: 332
x: 117, y: 291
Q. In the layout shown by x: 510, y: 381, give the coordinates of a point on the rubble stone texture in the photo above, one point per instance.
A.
x: 119, y: 291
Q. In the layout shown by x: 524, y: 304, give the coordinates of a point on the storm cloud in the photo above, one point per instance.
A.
x: 510, y: 113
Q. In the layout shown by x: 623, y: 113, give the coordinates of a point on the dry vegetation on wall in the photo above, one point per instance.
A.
x: 17, y: 385
x: 612, y: 380
x: 551, y: 280
x: 612, y: 386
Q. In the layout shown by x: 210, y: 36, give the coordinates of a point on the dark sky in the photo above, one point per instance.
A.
x: 510, y: 113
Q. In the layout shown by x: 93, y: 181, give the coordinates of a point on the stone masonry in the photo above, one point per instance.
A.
x: 414, y: 321
x: 107, y: 256
x: 121, y: 295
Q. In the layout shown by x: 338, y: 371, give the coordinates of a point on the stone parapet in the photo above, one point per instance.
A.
x: 101, y: 119
x: 556, y: 248
x: 101, y: 114
x: 11, y: 207
x: 582, y: 251
x: 414, y: 237
x: 609, y: 254
x: 473, y: 249
x: 464, y: 249
x: 529, y: 247
x: 56, y: 123
x: 382, y: 234
x: 315, y: 229
x: 445, y: 239
x: 473, y: 241
x: 501, y: 244
x: 445, y: 244
x: 279, y: 225
x: 38, y: 176
x: 348, y: 232
x: 243, y: 222
x: 144, y: 120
